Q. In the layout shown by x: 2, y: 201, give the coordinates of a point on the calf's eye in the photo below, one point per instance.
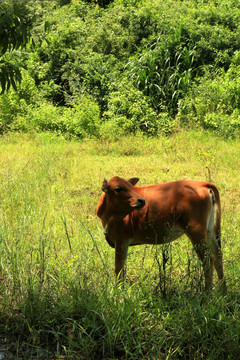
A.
x: 119, y: 189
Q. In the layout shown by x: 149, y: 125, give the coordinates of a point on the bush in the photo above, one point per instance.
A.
x: 224, y: 124
x: 214, y: 103
x: 80, y: 120
x: 129, y: 111
x: 17, y: 104
x: 83, y: 120
x: 29, y: 110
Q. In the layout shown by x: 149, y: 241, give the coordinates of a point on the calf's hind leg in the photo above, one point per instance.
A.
x: 217, y: 257
x: 198, y: 237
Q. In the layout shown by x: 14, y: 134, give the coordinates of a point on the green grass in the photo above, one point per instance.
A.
x: 58, y: 297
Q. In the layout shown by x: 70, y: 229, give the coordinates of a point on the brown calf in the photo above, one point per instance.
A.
x: 158, y: 214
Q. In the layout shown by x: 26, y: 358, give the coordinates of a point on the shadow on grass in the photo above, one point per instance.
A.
x: 43, y: 326
x: 128, y: 323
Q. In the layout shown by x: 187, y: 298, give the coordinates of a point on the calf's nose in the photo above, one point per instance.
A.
x: 141, y: 202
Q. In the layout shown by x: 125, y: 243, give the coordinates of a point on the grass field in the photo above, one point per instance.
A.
x: 58, y: 297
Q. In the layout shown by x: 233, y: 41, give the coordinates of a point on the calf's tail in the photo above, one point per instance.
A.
x: 215, y: 198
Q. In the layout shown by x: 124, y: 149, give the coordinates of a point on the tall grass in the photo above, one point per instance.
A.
x: 58, y: 297
x: 164, y: 75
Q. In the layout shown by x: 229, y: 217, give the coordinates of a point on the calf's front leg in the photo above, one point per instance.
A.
x: 121, y: 249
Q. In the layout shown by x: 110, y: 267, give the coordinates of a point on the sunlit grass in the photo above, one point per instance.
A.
x: 56, y: 269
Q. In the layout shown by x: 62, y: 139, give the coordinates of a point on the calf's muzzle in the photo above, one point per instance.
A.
x: 140, y: 204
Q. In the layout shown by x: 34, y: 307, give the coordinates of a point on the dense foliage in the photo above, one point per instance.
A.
x: 127, y: 66
x: 15, y: 24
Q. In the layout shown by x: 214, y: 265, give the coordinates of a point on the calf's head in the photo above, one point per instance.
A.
x: 121, y: 197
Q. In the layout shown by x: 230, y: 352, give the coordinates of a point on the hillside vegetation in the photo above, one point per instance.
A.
x: 127, y: 66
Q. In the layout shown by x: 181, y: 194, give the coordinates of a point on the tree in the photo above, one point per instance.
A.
x: 14, y: 34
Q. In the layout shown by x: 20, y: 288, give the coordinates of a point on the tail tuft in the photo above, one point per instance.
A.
x: 211, y: 193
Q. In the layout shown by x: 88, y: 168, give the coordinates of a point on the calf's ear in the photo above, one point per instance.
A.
x: 105, y: 186
x: 133, y: 180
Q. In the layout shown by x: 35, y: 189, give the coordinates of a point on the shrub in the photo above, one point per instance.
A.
x: 84, y: 118
x: 16, y: 104
x: 129, y: 111
x: 80, y: 120
x: 224, y: 124
x: 214, y: 103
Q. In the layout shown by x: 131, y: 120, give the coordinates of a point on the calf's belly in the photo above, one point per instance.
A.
x: 154, y: 235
